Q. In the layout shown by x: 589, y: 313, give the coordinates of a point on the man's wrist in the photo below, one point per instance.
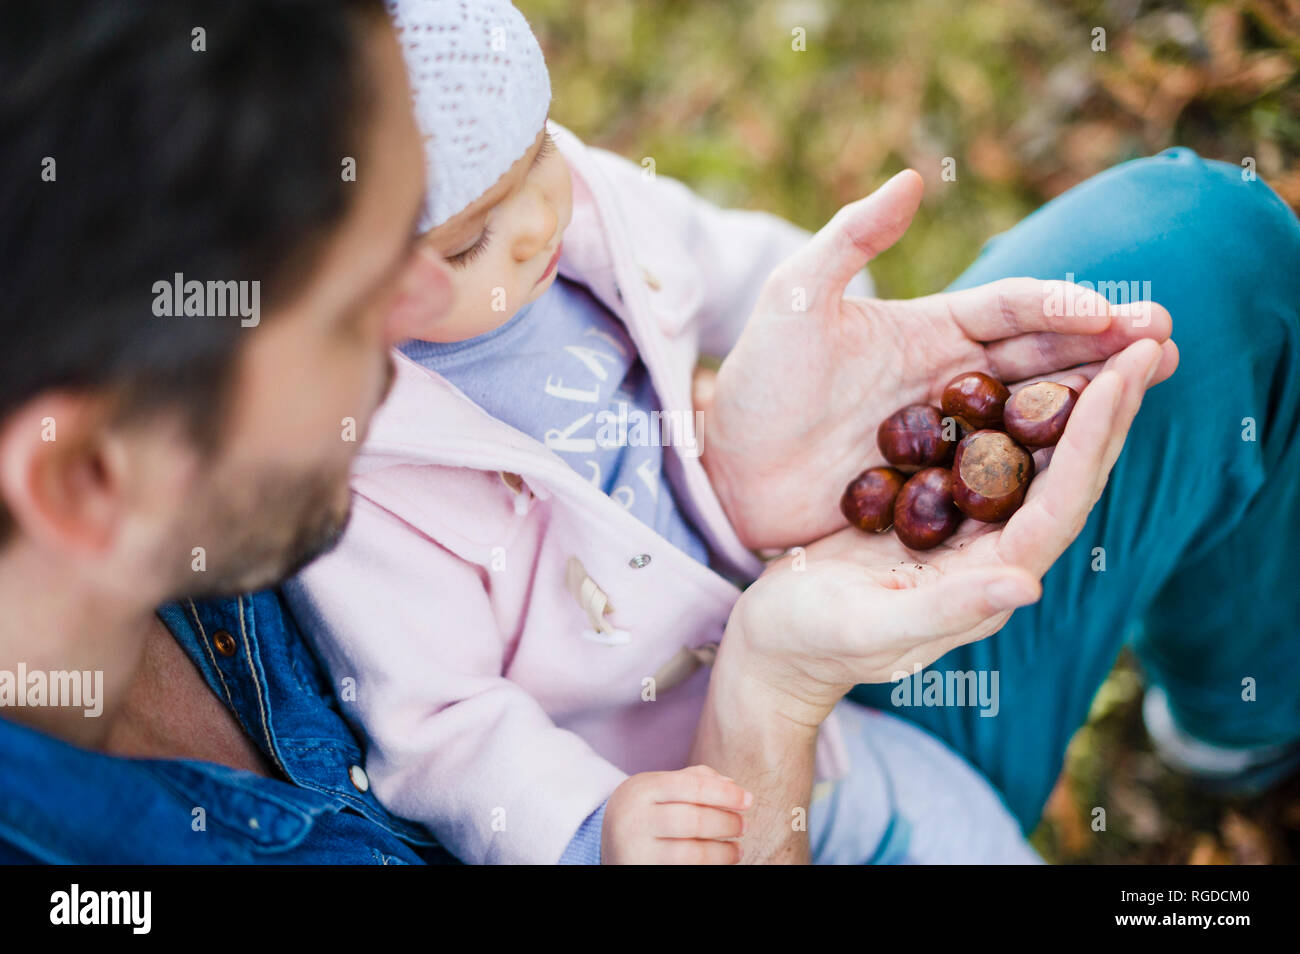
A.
x: 774, y: 760
x: 766, y: 741
x: 746, y: 691
x: 747, y: 670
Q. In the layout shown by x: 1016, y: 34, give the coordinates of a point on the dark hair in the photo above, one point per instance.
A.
x: 221, y: 165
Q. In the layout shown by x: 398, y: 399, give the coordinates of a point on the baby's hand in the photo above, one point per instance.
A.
x: 675, y: 818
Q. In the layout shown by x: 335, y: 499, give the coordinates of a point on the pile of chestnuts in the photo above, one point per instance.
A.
x: 972, y: 457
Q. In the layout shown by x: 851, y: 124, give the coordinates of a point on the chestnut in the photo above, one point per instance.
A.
x: 913, y: 437
x: 868, y: 501
x: 990, y: 473
x: 924, y: 513
x: 977, y: 397
x: 1036, y: 414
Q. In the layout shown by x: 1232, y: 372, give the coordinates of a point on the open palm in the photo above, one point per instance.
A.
x: 796, y: 404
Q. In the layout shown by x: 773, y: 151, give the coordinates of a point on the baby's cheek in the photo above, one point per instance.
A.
x: 494, y: 298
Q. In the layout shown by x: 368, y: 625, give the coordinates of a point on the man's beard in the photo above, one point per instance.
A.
x: 265, y: 529
x: 262, y: 536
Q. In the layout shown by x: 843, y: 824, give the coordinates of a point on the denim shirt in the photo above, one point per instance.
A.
x: 64, y: 804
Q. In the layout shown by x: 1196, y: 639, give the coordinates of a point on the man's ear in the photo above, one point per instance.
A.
x: 61, y: 472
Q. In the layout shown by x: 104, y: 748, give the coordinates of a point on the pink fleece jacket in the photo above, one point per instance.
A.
x: 511, y: 642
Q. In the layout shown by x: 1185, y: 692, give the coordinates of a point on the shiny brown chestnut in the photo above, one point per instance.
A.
x: 868, y: 501
x: 977, y: 397
x: 913, y: 437
x: 924, y: 513
x: 990, y: 473
x: 1036, y: 414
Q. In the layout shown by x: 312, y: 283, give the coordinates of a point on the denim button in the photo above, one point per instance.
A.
x: 224, y: 642
x: 640, y: 561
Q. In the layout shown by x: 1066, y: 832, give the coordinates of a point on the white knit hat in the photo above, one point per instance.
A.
x: 481, y: 94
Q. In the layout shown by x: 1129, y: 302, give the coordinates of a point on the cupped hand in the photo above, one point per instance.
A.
x: 857, y: 607
x: 793, y: 411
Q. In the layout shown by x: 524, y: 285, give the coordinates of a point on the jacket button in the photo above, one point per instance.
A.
x: 640, y: 561
x: 358, y: 776
x: 649, y: 277
x: 224, y: 642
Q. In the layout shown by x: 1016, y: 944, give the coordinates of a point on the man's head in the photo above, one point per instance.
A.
x: 197, y: 141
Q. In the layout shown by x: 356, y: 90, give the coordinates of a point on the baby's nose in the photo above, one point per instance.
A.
x: 537, y: 233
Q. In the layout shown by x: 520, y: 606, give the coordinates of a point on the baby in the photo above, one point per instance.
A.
x: 523, y: 609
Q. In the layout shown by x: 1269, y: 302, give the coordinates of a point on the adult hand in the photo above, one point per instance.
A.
x: 794, y: 409
x: 858, y: 607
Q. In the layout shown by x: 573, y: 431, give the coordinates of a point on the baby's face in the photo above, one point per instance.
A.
x: 504, y: 248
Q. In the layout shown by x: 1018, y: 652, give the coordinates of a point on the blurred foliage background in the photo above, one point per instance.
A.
x: 1020, y: 95
x: 1011, y: 89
